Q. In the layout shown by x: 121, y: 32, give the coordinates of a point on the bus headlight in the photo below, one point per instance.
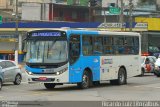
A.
x: 61, y: 71
x: 30, y: 73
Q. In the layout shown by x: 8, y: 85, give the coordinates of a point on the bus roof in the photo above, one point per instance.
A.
x: 90, y: 31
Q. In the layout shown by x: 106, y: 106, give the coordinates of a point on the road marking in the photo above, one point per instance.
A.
x: 24, y: 82
x: 149, y: 86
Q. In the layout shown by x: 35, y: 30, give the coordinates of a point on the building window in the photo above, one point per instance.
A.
x: 76, y: 2
x: 112, y: 4
x: 61, y: 14
x: 74, y: 15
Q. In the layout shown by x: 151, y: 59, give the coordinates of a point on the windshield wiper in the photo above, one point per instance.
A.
x: 48, y: 51
x: 38, y: 52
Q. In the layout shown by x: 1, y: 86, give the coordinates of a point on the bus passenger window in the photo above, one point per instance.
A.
x: 87, y: 45
x: 108, y: 48
x: 119, y: 45
x: 136, y: 45
x: 98, y: 48
x: 74, y: 48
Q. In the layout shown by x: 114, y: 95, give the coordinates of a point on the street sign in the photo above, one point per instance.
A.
x: 0, y: 19
x: 112, y: 25
x: 118, y: 26
x: 114, y: 10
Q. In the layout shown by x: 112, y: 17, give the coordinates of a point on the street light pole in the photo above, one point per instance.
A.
x: 16, y: 33
x: 121, y: 15
x: 104, y: 15
x: 130, y: 15
x: 90, y: 13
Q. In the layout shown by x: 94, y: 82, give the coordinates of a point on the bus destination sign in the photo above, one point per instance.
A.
x: 49, y: 34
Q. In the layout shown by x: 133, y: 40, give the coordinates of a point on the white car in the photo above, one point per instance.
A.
x: 11, y: 72
x: 1, y: 78
x: 157, y: 67
x: 145, y: 61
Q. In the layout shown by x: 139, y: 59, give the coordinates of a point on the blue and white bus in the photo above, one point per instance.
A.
x: 82, y: 57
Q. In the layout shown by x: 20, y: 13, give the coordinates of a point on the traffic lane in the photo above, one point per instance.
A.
x: 138, y: 88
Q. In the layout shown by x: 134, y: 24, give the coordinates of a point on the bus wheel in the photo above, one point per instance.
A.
x: 49, y: 85
x: 122, y: 79
x: 85, y: 81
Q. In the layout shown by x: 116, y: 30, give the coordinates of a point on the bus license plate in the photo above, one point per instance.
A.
x: 42, y: 78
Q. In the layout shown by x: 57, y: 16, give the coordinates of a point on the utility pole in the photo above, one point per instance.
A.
x: 90, y: 11
x: 93, y: 3
x: 104, y: 15
x: 16, y: 33
x: 121, y: 18
x: 130, y: 15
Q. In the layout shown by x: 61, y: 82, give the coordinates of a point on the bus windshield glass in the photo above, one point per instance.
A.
x: 40, y: 51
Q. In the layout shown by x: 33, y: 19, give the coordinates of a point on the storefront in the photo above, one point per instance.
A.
x: 7, y: 45
x: 150, y: 38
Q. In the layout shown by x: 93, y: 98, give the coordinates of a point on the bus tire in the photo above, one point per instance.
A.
x: 122, y: 78
x: 49, y: 85
x: 86, y: 80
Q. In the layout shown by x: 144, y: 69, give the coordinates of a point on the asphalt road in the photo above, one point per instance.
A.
x: 146, y: 88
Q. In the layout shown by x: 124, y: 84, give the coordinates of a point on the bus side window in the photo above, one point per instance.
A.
x: 87, y: 45
x: 129, y: 45
x: 98, y: 47
x: 74, y: 48
x: 119, y: 45
x: 108, y: 48
x: 136, y: 45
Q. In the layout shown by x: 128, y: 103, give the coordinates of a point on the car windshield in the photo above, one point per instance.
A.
x: 46, y: 51
x: 153, y: 49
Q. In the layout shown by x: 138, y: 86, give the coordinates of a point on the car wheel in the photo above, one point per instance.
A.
x: 1, y: 84
x: 49, y: 85
x: 142, y: 72
x: 158, y: 75
x: 18, y: 79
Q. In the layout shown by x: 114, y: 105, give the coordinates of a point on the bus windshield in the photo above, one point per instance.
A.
x: 41, y: 51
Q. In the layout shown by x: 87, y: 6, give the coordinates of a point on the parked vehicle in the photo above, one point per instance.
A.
x: 11, y: 72
x: 147, y: 64
x: 1, y: 78
x: 157, y: 67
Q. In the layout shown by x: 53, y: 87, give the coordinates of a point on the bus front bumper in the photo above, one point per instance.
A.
x: 42, y: 78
